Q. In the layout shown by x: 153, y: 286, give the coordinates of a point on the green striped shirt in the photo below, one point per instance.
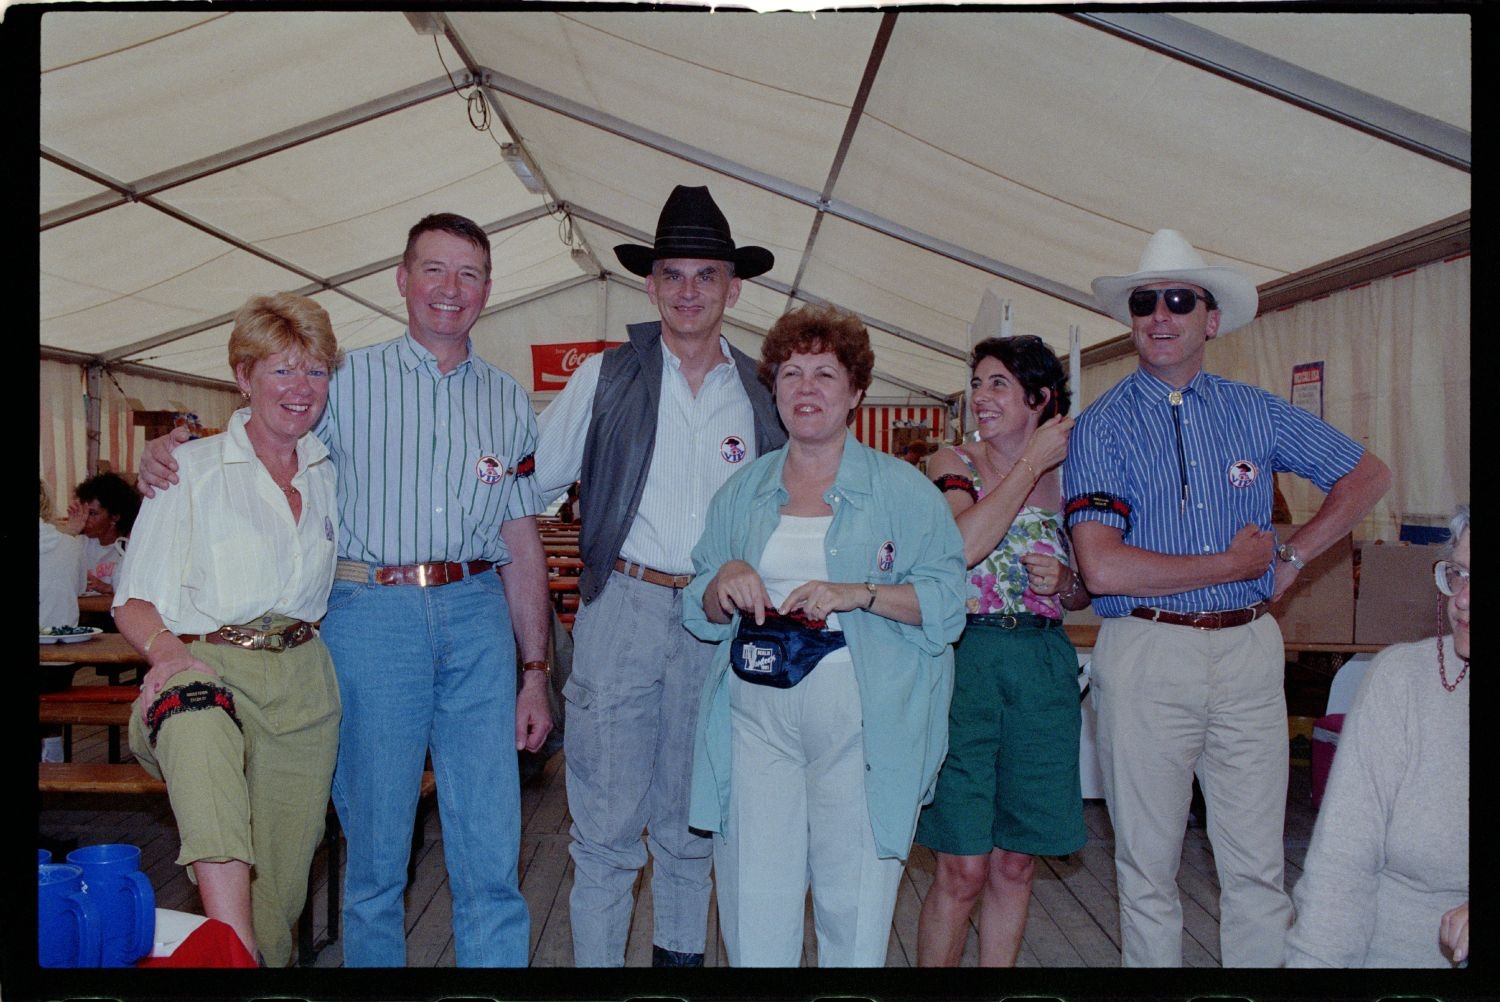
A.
x: 429, y: 464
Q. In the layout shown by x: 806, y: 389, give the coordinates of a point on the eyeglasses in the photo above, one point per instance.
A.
x: 1450, y: 577
x: 1179, y: 301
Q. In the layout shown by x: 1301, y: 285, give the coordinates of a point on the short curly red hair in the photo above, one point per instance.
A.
x: 817, y: 328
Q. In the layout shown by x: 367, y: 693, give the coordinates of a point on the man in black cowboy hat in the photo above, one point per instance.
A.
x: 651, y: 429
x: 1169, y: 484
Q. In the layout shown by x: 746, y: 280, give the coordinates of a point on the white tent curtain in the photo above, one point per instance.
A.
x: 1396, y: 378
x: 63, y: 439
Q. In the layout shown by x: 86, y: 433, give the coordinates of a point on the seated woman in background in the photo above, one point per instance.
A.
x: 60, y: 572
x: 103, y: 511
x: 1386, y: 879
x: 818, y: 776
x: 1009, y: 790
x: 225, y: 577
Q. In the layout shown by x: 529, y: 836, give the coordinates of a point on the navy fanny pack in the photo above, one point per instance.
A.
x: 782, y: 651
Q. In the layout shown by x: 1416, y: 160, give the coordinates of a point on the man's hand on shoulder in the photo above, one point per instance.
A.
x: 158, y: 469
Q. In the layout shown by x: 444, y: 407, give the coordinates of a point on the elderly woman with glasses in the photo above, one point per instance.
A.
x: 1009, y: 790
x: 1386, y: 879
x: 225, y: 577
x: 816, y: 776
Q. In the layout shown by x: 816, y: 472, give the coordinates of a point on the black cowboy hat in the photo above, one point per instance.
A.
x: 691, y: 226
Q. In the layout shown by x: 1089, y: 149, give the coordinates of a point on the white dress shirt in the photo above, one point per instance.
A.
x: 221, y: 547
x: 692, y: 458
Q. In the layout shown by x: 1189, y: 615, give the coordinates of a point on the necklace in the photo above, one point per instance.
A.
x: 1443, y: 668
x: 286, y: 489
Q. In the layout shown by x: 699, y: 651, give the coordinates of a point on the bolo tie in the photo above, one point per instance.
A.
x: 1175, y: 399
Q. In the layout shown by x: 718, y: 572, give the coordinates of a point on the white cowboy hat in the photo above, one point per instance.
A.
x: 1169, y: 257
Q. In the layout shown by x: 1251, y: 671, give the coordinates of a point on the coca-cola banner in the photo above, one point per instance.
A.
x: 553, y: 364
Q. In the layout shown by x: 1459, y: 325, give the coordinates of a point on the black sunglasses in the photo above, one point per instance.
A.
x: 1179, y: 301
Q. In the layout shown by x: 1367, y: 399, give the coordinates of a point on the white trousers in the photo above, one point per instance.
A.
x: 797, y: 816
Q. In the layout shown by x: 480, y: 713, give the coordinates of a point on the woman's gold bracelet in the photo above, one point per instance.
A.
x: 146, y: 648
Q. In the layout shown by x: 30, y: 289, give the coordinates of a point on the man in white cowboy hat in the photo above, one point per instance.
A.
x: 1169, y: 487
x: 651, y: 429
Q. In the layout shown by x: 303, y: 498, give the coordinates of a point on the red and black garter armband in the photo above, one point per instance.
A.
x: 193, y: 696
x: 1097, y: 501
x: 954, y: 482
x: 527, y: 466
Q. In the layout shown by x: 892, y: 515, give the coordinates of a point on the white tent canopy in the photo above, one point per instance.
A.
x: 898, y: 163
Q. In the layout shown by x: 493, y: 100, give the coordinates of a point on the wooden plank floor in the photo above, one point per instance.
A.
x: 1073, y: 922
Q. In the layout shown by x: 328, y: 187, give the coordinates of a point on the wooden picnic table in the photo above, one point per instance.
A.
x: 101, y: 649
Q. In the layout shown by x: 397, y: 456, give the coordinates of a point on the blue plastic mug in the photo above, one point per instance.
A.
x: 43, y: 856
x: 68, y: 932
x: 125, y: 900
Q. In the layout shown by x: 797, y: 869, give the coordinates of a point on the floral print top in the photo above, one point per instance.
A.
x: 997, y: 584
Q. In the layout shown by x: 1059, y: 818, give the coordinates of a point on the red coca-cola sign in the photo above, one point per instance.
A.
x: 552, y: 365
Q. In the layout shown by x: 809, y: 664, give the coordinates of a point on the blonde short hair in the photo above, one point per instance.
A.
x: 285, y: 321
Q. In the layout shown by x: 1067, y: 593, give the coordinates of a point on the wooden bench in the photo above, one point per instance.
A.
x: 105, y: 706
x: 130, y: 779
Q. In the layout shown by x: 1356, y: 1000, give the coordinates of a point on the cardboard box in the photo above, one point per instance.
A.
x: 1319, y: 607
x: 1397, y: 596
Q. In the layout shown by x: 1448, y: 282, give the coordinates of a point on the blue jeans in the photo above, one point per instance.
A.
x: 424, y: 669
x: 632, y: 705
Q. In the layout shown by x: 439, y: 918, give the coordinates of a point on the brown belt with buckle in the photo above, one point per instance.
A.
x: 421, y: 575
x: 651, y: 576
x: 252, y: 639
x: 1204, y: 620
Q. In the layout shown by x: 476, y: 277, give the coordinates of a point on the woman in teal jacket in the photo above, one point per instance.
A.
x: 821, y: 782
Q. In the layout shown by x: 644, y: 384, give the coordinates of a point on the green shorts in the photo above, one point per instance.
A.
x: 1010, y: 780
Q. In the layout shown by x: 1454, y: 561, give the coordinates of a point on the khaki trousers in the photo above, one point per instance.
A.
x: 260, y: 794
x: 1172, y: 701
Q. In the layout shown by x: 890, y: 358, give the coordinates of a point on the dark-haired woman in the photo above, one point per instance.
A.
x: 1009, y: 790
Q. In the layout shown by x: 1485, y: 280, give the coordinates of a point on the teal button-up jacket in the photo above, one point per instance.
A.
x: 890, y: 526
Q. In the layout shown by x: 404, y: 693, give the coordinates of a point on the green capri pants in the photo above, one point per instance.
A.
x: 1010, y: 780
x: 257, y: 792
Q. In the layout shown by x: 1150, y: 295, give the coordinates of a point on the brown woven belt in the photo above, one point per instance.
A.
x: 421, y: 575
x: 651, y: 576
x: 1204, y: 620
x: 251, y: 639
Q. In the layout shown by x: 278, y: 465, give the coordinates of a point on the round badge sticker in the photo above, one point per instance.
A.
x: 732, y: 449
x: 1242, y: 473
x: 488, y: 470
x: 885, y: 557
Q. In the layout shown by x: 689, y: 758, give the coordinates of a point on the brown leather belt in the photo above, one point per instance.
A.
x: 651, y: 576
x: 252, y: 639
x: 1204, y: 620
x: 421, y: 575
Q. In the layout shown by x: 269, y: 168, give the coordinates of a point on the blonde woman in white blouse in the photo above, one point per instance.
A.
x: 223, y: 580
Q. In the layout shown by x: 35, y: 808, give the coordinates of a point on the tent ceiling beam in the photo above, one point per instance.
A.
x: 771, y: 283
x: 315, y: 284
x: 780, y: 186
x: 851, y: 125
x: 905, y: 384
x: 1435, y: 242
x: 1311, y: 91
x: 531, y: 297
x: 235, y: 157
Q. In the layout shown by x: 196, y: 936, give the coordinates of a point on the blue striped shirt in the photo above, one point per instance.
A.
x: 1234, y: 437
x: 429, y: 464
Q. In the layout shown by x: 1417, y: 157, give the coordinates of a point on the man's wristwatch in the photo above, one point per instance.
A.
x: 1288, y: 552
x: 541, y: 666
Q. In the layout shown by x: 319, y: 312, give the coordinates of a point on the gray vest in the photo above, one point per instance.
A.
x: 622, y: 436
